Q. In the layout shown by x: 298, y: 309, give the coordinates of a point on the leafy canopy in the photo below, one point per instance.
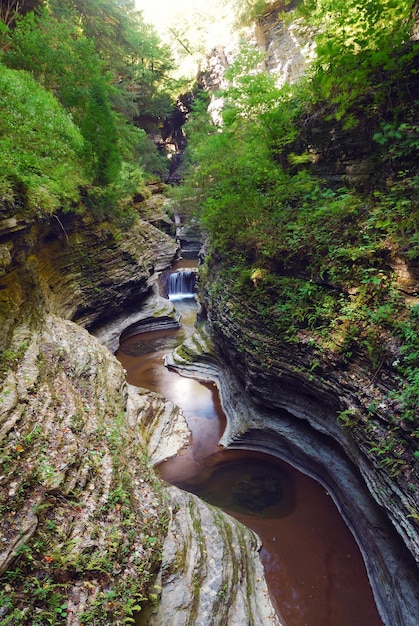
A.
x: 307, y: 256
x: 107, y: 69
x: 40, y: 147
x: 359, y: 43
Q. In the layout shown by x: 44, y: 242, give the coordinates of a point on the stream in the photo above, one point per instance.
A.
x: 314, y: 568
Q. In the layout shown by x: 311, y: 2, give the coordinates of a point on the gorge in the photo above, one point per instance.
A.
x: 323, y: 580
x: 303, y: 206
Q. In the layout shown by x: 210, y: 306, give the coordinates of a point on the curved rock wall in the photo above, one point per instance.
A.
x: 77, y: 515
x: 211, y: 573
x: 283, y: 413
x: 77, y: 267
x: 84, y: 521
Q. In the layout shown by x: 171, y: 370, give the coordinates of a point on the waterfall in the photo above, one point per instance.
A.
x: 181, y: 285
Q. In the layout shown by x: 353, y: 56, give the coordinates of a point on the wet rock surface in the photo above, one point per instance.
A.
x: 78, y: 268
x: 154, y: 313
x: 83, y: 512
x: 84, y: 519
x: 76, y: 511
x: 284, y: 414
x: 205, y: 550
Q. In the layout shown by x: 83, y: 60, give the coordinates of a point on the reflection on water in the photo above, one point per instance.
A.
x: 149, y: 343
x: 250, y: 486
x: 313, y: 566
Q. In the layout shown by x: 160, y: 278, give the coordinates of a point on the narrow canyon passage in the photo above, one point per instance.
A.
x: 313, y: 565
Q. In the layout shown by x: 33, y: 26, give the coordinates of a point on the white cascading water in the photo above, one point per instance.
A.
x: 181, y: 285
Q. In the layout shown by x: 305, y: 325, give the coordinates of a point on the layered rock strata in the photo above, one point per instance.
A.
x: 211, y: 573
x: 77, y: 267
x: 83, y: 519
x: 288, y: 44
x: 84, y: 516
x: 285, y: 413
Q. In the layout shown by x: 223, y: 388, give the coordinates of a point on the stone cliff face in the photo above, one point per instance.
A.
x: 288, y: 48
x: 288, y: 404
x: 311, y: 409
x: 84, y: 522
x: 74, y: 521
x: 211, y: 573
x: 286, y: 411
x: 79, y: 268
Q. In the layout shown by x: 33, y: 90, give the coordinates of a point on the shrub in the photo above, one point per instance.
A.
x: 41, y: 167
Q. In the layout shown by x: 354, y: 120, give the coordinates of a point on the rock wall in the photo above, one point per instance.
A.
x: 288, y: 44
x: 84, y: 521
x: 287, y: 47
x: 288, y: 404
x: 78, y: 267
x: 77, y: 514
x: 211, y: 573
x: 284, y: 412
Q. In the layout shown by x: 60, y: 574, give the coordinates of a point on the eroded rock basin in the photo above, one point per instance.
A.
x: 313, y: 565
x: 314, y: 568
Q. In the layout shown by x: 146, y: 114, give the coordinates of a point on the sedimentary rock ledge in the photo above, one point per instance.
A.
x: 303, y: 440
x: 211, y: 573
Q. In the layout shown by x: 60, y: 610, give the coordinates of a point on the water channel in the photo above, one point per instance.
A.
x: 314, y: 569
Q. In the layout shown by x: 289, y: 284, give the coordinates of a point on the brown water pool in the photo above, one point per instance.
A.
x: 315, y: 571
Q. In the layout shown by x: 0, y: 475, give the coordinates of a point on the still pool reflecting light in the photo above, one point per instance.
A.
x: 313, y: 565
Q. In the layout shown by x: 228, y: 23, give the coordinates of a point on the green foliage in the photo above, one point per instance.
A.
x: 397, y: 212
x: 57, y: 55
x: 359, y: 46
x: 10, y: 358
x: 100, y: 133
x: 234, y: 171
x: 67, y: 44
x: 408, y: 364
x: 248, y: 11
x: 106, y: 67
x: 41, y: 166
x: 400, y: 139
x: 151, y: 159
x: 295, y: 259
x: 253, y: 99
x: 318, y: 256
x: 4, y: 35
x: 129, y: 48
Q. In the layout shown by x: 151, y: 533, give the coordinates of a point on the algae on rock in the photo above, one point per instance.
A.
x: 84, y: 520
x: 83, y: 515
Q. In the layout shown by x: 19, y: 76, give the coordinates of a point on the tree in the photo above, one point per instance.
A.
x: 101, y: 137
x: 130, y: 50
x: 41, y: 164
x: 10, y: 9
x: 106, y: 68
x: 360, y: 45
x: 57, y: 55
